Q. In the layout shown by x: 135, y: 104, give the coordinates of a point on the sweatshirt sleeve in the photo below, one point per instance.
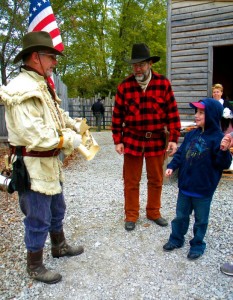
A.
x: 176, y: 160
x: 222, y: 159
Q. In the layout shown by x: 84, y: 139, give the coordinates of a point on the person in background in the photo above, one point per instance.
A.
x: 144, y: 106
x: 98, y: 112
x: 38, y: 130
x: 227, y: 118
x: 226, y: 143
x: 200, y: 162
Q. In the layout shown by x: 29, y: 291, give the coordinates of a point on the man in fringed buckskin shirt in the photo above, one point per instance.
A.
x: 38, y: 130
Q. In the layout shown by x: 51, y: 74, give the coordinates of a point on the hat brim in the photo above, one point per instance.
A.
x: 197, y: 105
x: 37, y: 48
x: 154, y: 59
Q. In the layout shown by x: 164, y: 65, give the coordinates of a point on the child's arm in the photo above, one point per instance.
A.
x: 222, y: 159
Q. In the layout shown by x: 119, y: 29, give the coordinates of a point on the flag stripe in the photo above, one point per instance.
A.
x: 45, y: 22
x: 50, y: 28
x: 55, y: 33
x: 57, y: 41
x: 41, y: 17
x: 60, y: 47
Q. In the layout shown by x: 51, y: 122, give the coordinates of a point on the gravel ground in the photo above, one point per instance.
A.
x: 117, y: 264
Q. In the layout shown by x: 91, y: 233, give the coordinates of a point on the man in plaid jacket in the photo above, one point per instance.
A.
x: 144, y: 107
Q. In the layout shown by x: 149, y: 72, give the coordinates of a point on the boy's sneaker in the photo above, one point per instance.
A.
x: 169, y: 246
x: 194, y: 256
x: 227, y: 269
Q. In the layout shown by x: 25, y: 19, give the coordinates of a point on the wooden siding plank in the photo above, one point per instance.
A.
x: 203, y: 44
x: 188, y: 76
x: 201, y: 10
x: 206, y: 39
x: 183, y: 105
x: 210, y: 71
x: 186, y: 110
x: 187, y: 88
x: 177, y: 65
x: 187, y: 98
x: 204, y: 31
x: 194, y: 23
x: 190, y: 52
x: 189, y: 70
x: 188, y: 81
x: 192, y: 93
x: 183, y: 3
x: 189, y: 58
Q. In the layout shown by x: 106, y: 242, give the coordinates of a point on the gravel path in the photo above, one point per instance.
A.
x: 116, y: 264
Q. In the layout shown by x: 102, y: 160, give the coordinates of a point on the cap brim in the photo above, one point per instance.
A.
x: 37, y: 48
x: 197, y: 105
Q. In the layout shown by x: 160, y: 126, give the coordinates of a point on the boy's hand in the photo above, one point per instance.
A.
x: 168, y: 172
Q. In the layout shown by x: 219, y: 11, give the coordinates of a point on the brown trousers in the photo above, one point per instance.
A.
x: 132, y: 171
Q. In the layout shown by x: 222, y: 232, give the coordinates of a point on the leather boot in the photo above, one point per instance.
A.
x: 37, y: 270
x: 61, y: 248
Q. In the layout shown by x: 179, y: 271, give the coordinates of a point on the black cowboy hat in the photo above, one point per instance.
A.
x: 35, y: 41
x: 141, y: 52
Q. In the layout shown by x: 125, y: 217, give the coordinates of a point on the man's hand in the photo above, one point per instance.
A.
x: 77, y: 140
x: 119, y: 148
x: 171, y: 148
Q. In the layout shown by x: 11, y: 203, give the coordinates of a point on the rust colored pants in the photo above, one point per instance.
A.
x: 132, y: 171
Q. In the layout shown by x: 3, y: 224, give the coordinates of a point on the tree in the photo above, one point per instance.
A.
x: 138, y: 21
x: 98, y: 36
x: 87, y: 50
x: 12, y: 27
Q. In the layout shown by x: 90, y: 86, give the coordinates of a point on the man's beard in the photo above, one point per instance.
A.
x: 142, y: 77
x: 48, y: 73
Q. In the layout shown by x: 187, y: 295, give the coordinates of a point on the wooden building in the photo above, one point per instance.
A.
x: 199, y: 49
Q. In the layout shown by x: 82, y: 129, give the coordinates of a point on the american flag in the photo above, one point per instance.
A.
x: 41, y: 18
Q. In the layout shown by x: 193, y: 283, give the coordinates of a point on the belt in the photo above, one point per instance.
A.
x: 148, y: 134
x: 23, y: 152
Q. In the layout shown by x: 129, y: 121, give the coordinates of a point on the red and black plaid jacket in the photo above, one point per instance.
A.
x: 137, y: 112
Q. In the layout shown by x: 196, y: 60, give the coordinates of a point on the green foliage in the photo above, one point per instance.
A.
x: 98, y: 36
x: 12, y: 27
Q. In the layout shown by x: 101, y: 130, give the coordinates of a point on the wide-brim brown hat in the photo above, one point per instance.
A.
x: 35, y: 41
x: 141, y: 52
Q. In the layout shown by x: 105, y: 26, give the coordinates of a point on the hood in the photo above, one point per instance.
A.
x: 213, y: 114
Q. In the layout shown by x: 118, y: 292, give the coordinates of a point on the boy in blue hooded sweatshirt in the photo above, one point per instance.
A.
x: 200, y: 162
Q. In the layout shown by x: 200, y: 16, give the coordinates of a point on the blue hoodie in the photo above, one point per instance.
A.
x: 199, y: 159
